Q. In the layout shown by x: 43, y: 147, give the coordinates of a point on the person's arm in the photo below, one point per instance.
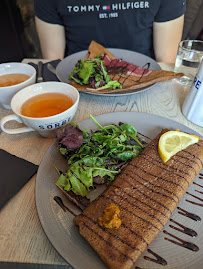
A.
x: 166, y: 36
x: 52, y: 39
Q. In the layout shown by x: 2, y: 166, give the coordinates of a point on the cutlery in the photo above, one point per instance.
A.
x: 39, y: 76
x: 51, y: 68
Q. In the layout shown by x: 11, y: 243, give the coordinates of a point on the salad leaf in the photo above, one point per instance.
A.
x: 86, y: 71
x: 112, y: 84
x: 62, y: 180
x: 131, y: 131
x: 93, y: 72
x: 103, y: 153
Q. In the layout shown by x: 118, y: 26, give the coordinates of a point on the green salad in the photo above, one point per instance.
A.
x: 95, y: 155
x: 93, y: 72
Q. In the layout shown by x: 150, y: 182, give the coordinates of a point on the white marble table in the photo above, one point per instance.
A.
x: 22, y: 238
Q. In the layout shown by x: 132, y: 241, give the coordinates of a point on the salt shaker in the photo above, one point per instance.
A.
x: 193, y: 105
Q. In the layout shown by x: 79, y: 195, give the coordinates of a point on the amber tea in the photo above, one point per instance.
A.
x: 46, y: 105
x: 12, y: 79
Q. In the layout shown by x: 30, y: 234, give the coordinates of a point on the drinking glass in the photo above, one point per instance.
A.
x: 189, y: 55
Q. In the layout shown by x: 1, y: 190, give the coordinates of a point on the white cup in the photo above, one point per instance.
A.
x: 6, y: 93
x: 45, y: 126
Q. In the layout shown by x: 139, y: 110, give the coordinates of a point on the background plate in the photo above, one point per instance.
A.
x: 64, y: 235
x: 65, y: 67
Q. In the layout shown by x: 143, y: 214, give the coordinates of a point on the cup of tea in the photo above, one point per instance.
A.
x: 42, y: 107
x: 14, y: 77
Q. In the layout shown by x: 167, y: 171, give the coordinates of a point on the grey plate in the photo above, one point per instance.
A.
x: 65, y: 67
x: 64, y: 235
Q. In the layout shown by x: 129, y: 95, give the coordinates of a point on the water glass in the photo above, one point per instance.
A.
x: 189, y: 55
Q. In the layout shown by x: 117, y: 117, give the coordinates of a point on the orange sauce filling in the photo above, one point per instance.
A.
x: 111, y: 217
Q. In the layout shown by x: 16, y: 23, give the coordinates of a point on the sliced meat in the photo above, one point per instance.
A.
x: 130, y: 69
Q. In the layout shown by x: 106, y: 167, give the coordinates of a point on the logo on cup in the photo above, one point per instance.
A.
x: 54, y: 125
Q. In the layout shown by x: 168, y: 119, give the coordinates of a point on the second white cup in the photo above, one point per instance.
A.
x: 46, y: 126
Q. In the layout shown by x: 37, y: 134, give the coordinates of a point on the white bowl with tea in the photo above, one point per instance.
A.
x: 14, y: 77
x: 42, y: 107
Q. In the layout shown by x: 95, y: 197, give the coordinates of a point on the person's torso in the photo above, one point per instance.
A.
x: 114, y: 24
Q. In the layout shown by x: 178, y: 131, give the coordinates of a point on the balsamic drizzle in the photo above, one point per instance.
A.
x: 199, y: 191
x: 130, y: 164
x: 200, y: 199
x: 78, y: 179
x: 136, y: 67
x: 186, y: 164
x: 184, y: 157
x: 180, y: 242
x: 198, y: 184
x: 103, y: 195
x: 140, y: 156
x: 200, y: 176
x: 115, y: 186
x: 183, y: 243
x: 110, y: 244
x: 111, y: 234
x: 194, y: 156
x: 164, y: 165
x: 123, y: 69
x: 194, y: 203
x: 188, y: 214
x: 157, y: 202
x: 136, y: 234
x: 137, y: 206
x: 59, y: 201
x: 145, y: 136
x: 148, y: 66
x: 111, y: 70
x: 107, y: 231
x: 185, y: 230
x: 157, y: 192
x: 158, y: 259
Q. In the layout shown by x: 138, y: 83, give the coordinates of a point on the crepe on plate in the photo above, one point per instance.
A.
x: 131, y: 77
x: 146, y: 192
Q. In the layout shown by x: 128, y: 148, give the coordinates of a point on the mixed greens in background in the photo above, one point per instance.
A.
x: 98, y: 154
x: 93, y: 72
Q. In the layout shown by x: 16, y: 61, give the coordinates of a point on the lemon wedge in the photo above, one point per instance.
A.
x: 172, y: 142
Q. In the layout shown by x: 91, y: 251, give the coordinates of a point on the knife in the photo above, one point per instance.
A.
x: 39, y: 76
